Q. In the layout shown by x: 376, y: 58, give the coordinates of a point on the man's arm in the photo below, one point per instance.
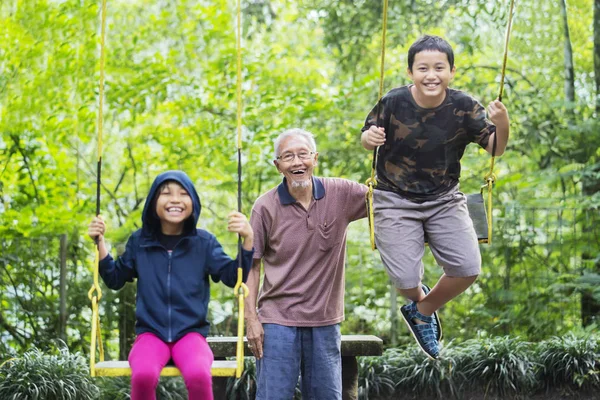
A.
x: 254, y: 329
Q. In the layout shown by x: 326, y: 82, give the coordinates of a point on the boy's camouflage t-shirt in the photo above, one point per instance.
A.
x: 420, y: 159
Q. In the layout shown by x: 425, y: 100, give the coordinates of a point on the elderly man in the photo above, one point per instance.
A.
x: 300, y: 237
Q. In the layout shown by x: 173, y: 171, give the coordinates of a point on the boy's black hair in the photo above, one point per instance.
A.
x: 430, y: 43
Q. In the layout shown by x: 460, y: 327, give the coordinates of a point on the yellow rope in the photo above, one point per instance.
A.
x: 240, y: 289
x: 372, y: 181
x: 490, y: 177
x: 505, y: 58
x: 239, y: 75
x: 95, y: 299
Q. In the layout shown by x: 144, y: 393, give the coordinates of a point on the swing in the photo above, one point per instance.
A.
x: 479, y: 213
x: 121, y: 368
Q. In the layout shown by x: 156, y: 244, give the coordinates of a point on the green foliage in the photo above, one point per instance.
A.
x: 570, y: 361
x: 419, y: 376
x: 376, y: 376
x: 244, y: 387
x: 55, y: 375
x: 119, y: 388
x: 501, y: 365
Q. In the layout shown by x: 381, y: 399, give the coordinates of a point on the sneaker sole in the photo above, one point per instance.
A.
x: 410, y: 329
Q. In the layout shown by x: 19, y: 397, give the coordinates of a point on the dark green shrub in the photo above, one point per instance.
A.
x: 59, y: 375
x: 569, y: 362
x: 119, y: 388
x: 420, y: 377
x: 502, y: 366
x: 243, y: 388
x: 375, y: 377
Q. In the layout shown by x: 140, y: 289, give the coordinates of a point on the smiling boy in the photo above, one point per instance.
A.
x: 422, y: 131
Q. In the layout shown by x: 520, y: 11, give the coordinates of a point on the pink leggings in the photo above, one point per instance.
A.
x: 191, y: 354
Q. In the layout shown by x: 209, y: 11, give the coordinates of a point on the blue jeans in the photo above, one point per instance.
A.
x: 313, y: 353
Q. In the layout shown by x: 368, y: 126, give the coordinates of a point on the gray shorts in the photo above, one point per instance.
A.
x: 400, y: 229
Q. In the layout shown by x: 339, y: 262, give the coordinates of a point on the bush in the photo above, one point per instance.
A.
x: 569, y: 362
x: 376, y: 376
x: 501, y: 365
x: 243, y: 388
x: 119, y: 388
x: 59, y: 375
x: 422, y: 377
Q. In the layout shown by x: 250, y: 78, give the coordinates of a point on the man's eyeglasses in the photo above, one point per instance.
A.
x: 303, y: 155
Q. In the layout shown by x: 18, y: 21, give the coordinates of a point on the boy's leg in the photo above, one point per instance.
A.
x: 444, y: 290
x: 147, y: 358
x: 400, y: 239
x: 454, y: 245
x: 194, y: 358
x: 322, y: 363
x: 278, y: 370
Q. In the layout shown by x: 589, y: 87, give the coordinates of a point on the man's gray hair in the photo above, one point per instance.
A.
x: 295, y: 132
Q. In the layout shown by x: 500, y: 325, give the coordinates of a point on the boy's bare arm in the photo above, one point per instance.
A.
x: 499, y: 117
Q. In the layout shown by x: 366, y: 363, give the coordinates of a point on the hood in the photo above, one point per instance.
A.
x: 150, y: 221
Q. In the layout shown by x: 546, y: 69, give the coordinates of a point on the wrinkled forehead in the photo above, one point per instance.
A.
x: 294, y: 143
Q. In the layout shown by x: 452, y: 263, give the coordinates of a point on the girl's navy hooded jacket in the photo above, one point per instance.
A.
x: 172, y: 288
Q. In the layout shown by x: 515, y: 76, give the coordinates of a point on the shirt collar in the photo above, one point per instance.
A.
x: 286, y: 198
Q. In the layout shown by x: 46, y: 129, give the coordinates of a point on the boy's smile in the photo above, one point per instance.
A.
x: 173, y: 207
x: 431, y: 75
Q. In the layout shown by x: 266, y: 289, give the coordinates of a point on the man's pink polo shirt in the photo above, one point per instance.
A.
x: 304, y: 251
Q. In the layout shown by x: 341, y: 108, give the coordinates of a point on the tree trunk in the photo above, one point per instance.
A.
x: 568, y: 61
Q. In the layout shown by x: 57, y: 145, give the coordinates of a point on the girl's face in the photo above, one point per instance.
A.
x: 173, y: 206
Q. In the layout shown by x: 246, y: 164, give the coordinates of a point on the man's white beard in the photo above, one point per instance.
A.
x: 301, y: 184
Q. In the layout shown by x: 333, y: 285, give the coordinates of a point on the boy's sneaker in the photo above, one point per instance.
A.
x: 437, y: 322
x: 424, y: 334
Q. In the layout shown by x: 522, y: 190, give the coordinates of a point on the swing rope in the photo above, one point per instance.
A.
x: 372, y: 181
x: 240, y: 288
x: 95, y: 298
x: 490, y: 177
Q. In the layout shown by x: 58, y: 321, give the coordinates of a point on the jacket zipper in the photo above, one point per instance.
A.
x: 170, y: 339
x: 169, y: 307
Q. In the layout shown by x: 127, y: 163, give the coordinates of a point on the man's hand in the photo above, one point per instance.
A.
x: 256, y: 336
